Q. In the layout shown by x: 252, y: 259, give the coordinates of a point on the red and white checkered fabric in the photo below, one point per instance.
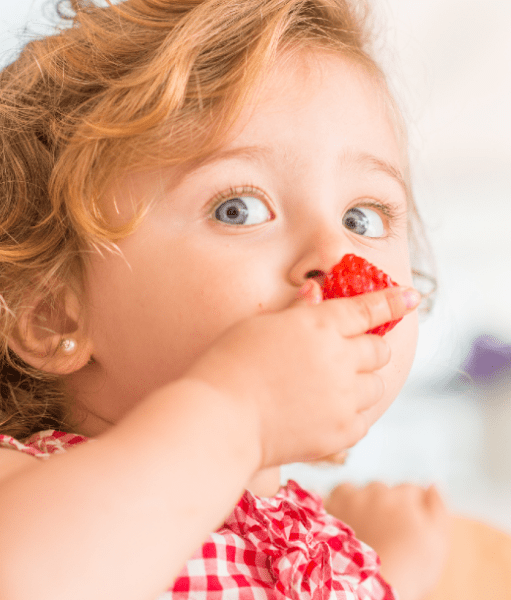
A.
x: 281, y: 548
x: 44, y: 443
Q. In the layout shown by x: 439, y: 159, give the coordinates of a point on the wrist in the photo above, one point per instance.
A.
x: 232, y: 421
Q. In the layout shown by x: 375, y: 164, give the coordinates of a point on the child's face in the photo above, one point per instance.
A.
x: 316, y: 162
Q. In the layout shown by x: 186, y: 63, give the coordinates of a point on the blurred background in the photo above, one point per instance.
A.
x: 449, y: 62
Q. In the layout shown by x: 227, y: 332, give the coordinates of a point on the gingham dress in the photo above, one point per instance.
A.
x: 279, y: 548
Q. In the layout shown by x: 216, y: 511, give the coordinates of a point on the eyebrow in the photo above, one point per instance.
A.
x: 262, y: 154
x: 377, y: 164
x: 258, y: 153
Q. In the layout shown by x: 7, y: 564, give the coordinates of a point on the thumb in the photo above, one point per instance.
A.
x: 310, y: 294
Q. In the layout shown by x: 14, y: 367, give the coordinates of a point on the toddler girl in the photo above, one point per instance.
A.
x: 177, y: 179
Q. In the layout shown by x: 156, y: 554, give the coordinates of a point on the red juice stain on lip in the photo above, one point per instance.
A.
x: 354, y: 275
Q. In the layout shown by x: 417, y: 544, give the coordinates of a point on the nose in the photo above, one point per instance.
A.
x: 320, y: 252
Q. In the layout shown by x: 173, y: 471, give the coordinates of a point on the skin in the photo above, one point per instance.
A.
x: 185, y: 278
x: 408, y: 526
x: 188, y: 327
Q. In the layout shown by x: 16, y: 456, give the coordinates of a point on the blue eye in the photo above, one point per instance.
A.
x: 243, y: 210
x: 364, y: 221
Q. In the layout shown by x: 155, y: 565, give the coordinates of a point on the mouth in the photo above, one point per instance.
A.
x: 353, y: 276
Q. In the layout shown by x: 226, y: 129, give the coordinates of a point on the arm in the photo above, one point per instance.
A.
x: 162, y: 475
x: 119, y: 516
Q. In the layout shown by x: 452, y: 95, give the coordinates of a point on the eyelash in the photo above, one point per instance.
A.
x: 236, y: 192
x: 392, y: 213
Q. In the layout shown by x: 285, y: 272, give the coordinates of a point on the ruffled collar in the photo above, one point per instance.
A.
x: 310, y: 554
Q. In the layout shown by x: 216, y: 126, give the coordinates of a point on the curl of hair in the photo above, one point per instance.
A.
x: 123, y: 86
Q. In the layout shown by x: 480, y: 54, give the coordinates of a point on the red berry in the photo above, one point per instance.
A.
x: 353, y: 276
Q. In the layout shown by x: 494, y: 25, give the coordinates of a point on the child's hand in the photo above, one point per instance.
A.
x: 306, y: 376
x: 406, y: 525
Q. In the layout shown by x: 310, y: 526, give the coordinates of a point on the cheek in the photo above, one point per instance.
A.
x: 222, y: 301
x: 405, y: 352
x: 403, y: 342
x: 213, y: 295
x: 402, y: 266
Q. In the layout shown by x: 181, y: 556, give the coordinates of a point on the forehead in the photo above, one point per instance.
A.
x: 322, y: 87
x: 323, y: 99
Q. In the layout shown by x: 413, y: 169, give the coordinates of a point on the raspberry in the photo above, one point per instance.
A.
x: 353, y: 276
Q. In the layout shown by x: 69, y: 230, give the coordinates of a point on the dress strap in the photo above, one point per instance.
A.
x: 44, y: 443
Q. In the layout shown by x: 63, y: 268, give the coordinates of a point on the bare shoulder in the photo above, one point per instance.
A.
x: 12, y: 461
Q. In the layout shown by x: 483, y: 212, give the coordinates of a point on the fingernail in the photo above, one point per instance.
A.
x: 305, y: 290
x: 411, y: 297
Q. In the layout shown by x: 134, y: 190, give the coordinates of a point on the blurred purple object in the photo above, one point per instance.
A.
x: 488, y: 359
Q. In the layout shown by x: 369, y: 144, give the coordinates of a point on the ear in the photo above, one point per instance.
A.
x: 51, y: 334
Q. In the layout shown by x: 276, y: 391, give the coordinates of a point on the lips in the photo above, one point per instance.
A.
x: 354, y: 275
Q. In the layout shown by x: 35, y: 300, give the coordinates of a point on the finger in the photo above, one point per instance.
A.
x: 310, y: 293
x: 367, y: 311
x: 371, y: 388
x: 432, y: 498
x: 373, y: 353
x: 359, y: 428
x: 342, y: 492
x: 345, y: 488
x: 339, y: 497
x: 377, y: 487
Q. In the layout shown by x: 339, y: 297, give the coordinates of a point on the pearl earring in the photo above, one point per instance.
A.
x: 68, y: 345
